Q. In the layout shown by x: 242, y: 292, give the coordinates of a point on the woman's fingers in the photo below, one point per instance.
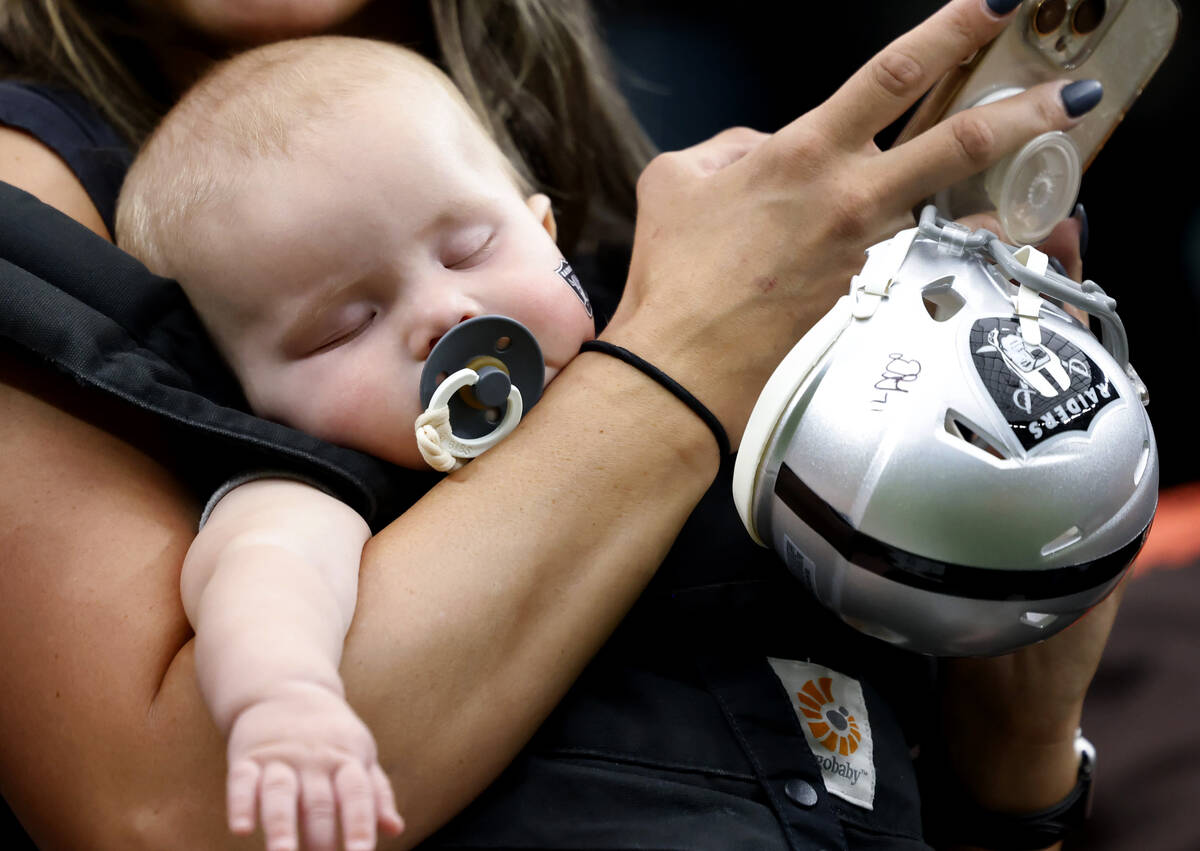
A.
x: 712, y: 155
x: 1064, y: 245
x: 967, y: 143
x: 898, y: 75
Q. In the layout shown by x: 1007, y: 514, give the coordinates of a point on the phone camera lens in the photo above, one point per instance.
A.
x: 1088, y: 15
x: 1049, y: 15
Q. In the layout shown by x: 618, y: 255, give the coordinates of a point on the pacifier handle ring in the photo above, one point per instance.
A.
x: 471, y: 447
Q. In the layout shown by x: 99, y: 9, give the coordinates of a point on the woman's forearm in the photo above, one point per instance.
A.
x: 1010, y: 721
x: 480, y: 606
x: 1011, y: 771
x: 476, y: 609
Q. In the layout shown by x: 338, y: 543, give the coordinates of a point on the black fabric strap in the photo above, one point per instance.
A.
x: 605, y: 347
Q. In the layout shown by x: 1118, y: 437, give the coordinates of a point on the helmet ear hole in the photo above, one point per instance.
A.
x: 941, y: 299
x: 958, y: 427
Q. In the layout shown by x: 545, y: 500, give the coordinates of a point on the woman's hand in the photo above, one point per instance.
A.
x: 1010, y: 721
x: 745, y: 240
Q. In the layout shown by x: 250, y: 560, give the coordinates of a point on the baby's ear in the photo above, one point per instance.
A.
x: 539, y: 205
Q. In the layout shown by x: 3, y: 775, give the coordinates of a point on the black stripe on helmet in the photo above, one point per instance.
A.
x: 980, y: 583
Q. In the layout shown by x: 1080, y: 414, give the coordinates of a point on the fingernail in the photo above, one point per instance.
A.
x: 1000, y: 8
x: 1059, y: 267
x: 1081, y: 215
x: 1079, y: 97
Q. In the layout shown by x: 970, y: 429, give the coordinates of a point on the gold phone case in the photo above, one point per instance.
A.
x: 1130, y: 40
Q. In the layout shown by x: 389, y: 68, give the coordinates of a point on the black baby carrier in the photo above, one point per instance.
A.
x: 74, y: 301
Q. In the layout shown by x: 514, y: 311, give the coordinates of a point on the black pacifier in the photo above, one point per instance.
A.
x: 503, y: 353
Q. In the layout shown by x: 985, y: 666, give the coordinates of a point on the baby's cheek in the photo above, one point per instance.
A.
x: 376, y: 420
x: 345, y: 412
x: 565, y: 315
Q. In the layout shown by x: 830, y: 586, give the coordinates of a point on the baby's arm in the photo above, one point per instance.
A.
x: 270, y: 585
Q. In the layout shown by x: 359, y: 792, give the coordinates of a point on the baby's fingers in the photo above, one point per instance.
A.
x: 356, y: 802
x: 319, y: 811
x: 385, y: 802
x: 241, y: 796
x: 278, y: 792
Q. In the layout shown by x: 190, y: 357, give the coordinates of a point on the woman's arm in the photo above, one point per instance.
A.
x: 465, y: 636
x: 1010, y: 722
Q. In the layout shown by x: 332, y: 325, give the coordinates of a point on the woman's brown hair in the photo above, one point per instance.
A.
x: 534, y: 70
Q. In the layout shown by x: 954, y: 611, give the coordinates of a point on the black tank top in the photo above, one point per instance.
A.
x: 70, y: 126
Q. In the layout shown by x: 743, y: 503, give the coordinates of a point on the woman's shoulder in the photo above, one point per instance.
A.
x: 73, y: 129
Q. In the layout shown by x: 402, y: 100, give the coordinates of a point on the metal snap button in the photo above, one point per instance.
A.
x: 800, y: 792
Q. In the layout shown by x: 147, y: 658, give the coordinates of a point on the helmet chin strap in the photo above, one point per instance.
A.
x: 1026, y: 266
x: 1087, y: 296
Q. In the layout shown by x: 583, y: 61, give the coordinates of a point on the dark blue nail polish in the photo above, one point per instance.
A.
x: 1081, y: 215
x: 1057, y: 265
x: 1079, y: 97
x: 1000, y: 8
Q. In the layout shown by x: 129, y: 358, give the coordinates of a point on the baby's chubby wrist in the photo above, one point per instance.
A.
x: 312, y: 686
x: 289, y: 701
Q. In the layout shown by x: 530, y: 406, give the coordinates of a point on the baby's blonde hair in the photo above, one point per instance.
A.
x: 261, y: 104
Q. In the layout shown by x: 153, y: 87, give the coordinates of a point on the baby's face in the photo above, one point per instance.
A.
x: 332, y: 274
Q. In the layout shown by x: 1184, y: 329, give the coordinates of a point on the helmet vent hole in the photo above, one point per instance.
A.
x: 960, y: 429
x: 941, y: 300
x: 1143, y: 462
x: 1066, y: 539
x: 1041, y: 620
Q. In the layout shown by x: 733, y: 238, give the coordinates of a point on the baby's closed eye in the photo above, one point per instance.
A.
x: 468, y: 247
x: 344, y: 326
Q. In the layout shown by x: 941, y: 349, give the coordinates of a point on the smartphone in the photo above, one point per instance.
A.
x: 1121, y: 43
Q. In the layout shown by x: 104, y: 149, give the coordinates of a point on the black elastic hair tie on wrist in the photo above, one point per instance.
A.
x: 677, y: 389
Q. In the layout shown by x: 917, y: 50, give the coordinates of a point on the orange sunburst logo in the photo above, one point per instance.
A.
x: 831, y: 724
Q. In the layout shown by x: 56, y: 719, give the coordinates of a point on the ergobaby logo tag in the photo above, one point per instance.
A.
x: 833, y: 715
x: 568, y: 274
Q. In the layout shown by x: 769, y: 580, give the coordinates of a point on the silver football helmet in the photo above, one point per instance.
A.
x: 948, y: 460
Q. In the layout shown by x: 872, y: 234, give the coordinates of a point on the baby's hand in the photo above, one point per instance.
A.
x: 305, y: 750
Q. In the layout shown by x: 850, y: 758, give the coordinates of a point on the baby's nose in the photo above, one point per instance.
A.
x: 426, y: 338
